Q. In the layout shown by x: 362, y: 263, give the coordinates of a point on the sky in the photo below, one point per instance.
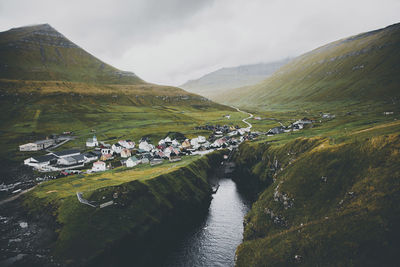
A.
x: 172, y: 41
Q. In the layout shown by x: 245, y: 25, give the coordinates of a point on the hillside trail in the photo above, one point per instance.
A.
x: 245, y: 120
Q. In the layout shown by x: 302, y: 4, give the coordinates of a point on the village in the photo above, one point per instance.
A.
x: 100, y: 156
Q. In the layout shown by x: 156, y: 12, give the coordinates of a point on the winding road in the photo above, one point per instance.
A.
x: 245, y: 120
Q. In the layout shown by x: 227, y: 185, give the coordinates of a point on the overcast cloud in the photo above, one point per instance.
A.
x: 171, y: 41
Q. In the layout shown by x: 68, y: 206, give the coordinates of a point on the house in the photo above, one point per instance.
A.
x: 219, y: 142
x: 228, y: 116
x: 233, y: 133
x: 91, y: 156
x: 117, y: 148
x: 80, y: 159
x: 175, y: 143
x: 144, y: 160
x: 99, y: 166
x: 146, y: 146
x: 132, y: 162
x: 276, y: 130
x: 257, y: 118
x: 154, y: 162
x: 66, y: 153
x: 105, y: 151
x: 92, y: 142
x: 186, y: 144
x: 174, y: 158
x: 125, y: 153
x: 66, y: 161
x: 37, y: 145
x: 40, y: 161
x: 128, y: 144
x: 105, y: 157
x: 29, y: 147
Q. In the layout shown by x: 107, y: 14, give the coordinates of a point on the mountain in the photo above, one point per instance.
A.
x: 40, y: 52
x: 219, y: 81
x: 356, y: 69
x: 49, y: 85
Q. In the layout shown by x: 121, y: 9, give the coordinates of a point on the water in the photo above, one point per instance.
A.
x: 214, y: 241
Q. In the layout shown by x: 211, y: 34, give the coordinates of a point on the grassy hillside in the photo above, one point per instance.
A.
x: 330, y: 204
x: 218, y: 82
x: 39, y: 52
x: 358, y: 69
x: 151, y: 203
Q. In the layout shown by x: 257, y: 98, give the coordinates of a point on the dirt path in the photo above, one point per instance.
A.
x: 245, y: 120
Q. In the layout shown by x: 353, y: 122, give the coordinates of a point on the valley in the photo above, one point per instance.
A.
x: 313, y: 145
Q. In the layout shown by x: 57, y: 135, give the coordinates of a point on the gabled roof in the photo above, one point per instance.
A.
x: 66, y: 152
x: 44, y: 158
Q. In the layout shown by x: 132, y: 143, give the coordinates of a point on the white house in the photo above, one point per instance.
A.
x: 145, y: 146
x: 125, y: 153
x: 127, y: 144
x: 175, y: 143
x: 132, y: 162
x: 92, y: 142
x: 37, y: 145
x: 117, y: 148
x: 90, y: 156
x: 99, y: 166
x: 40, y: 161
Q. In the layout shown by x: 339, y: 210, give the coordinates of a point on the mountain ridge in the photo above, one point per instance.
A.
x: 40, y: 52
x: 227, y: 78
x: 355, y: 69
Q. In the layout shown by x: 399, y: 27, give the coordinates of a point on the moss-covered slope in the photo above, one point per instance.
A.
x: 326, y: 204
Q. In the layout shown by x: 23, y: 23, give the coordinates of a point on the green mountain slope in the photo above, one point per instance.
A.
x: 219, y: 81
x: 41, y: 53
x: 50, y: 85
x: 356, y: 69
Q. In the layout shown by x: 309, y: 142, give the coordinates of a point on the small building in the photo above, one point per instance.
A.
x: 117, y: 148
x: 125, y: 153
x: 144, y: 160
x: 186, y: 144
x: 99, y: 166
x: 127, y: 144
x: 144, y: 145
x: 37, y: 145
x: 105, y: 151
x: 105, y: 157
x: 132, y: 162
x: 92, y: 142
x: 154, y: 162
x: 174, y: 158
x: 40, y: 161
x: 66, y: 161
x: 91, y: 156
x: 276, y: 130
x: 257, y: 118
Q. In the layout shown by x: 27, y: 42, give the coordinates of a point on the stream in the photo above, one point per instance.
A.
x: 214, y: 241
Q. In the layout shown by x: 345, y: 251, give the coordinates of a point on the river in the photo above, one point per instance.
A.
x: 214, y: 241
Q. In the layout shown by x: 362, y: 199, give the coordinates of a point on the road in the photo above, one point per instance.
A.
x: 4, y: 201
x: 245, y: 120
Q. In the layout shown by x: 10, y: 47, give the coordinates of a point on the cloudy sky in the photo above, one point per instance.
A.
x: 171, y: 41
